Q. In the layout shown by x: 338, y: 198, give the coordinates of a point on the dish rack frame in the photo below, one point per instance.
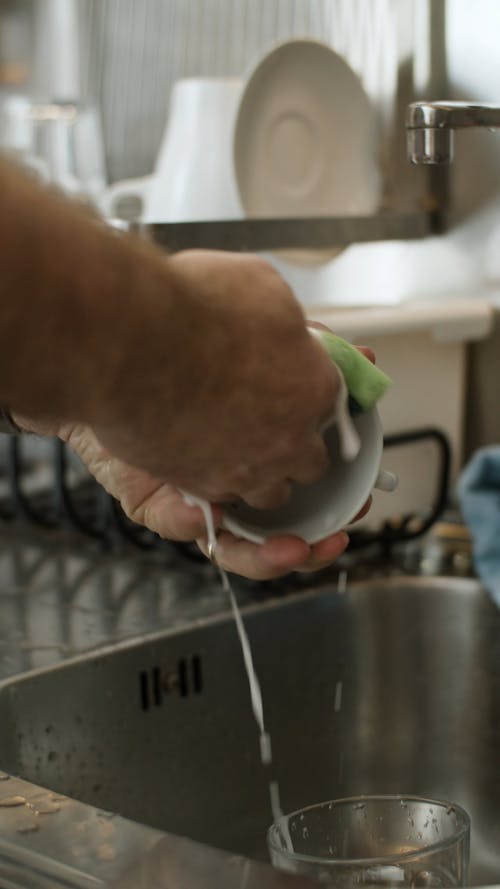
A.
x: 415, y: 203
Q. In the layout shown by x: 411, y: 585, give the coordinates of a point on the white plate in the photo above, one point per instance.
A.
x: 305, y: 140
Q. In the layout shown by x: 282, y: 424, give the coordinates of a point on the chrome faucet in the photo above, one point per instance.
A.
x: 430, y: 127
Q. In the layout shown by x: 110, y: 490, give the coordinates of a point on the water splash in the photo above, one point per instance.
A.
x: 342, y: 582
x: 338, y: 697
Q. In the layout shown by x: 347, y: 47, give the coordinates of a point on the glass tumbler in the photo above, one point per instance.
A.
x: 378, y: 841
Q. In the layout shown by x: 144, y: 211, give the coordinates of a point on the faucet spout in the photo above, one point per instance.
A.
x: 430, y: 127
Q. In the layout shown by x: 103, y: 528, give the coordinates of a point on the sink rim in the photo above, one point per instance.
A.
x: 464, y: 586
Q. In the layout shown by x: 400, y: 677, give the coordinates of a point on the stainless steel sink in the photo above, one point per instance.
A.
x: 393, y: 686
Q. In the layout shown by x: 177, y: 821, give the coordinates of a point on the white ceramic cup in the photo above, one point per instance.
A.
x: 315, y: 511
x: 193, y: 177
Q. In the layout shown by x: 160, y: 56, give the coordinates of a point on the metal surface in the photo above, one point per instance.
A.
x: 178, y: 863
x: 48, y: 841
x: 253, y: 235
x: 62, y: 596
x: 430, y: 127
x: 392, y: 687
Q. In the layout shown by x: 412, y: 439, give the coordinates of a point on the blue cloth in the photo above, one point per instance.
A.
x: 478, y: 493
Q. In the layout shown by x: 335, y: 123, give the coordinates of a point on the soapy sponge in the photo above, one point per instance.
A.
x: 365, y: 382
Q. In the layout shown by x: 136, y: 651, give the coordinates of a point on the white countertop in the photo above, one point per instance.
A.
x: 447, y: 319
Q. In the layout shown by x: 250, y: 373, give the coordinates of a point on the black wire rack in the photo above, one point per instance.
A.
x: 84, y: 507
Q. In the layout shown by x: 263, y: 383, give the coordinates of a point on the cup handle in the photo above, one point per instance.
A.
x: 127, y: 188
x: 386, y: 481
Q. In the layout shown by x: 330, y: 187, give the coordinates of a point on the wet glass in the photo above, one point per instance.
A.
x: 375, y: 841
x: 61, y: 142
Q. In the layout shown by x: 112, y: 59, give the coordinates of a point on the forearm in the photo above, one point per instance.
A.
x: 78, y: 305
x: 198, y: 369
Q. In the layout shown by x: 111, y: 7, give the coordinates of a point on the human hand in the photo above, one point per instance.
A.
x: 197, y: 368
x: 243, y: 419
x: 161, y: 508
x: 236, y: 408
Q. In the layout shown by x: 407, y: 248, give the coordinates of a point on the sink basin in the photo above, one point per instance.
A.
x: 391, y: 687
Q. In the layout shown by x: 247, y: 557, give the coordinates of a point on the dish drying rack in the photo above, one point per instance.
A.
x: 80, y: 505
x: 397, y: 49
x: 258, y: 235
x: 127, y: 55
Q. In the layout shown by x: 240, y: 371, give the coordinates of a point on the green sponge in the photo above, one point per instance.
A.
x: 365, y: 382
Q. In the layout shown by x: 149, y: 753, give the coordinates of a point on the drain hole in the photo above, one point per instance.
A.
x: 157, y: 696
x: 183, y: 678
x: 197, y: 675
x: 144, y: 689
x: 154, y: 685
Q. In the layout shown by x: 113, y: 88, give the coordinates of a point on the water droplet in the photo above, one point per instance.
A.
x: 360, y: 806
x: 47, y: 808
x: 107, y: 829
x: 29, y: 827
x: 305, y: 833
x: 426, y: 878
x: 9, y: 802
